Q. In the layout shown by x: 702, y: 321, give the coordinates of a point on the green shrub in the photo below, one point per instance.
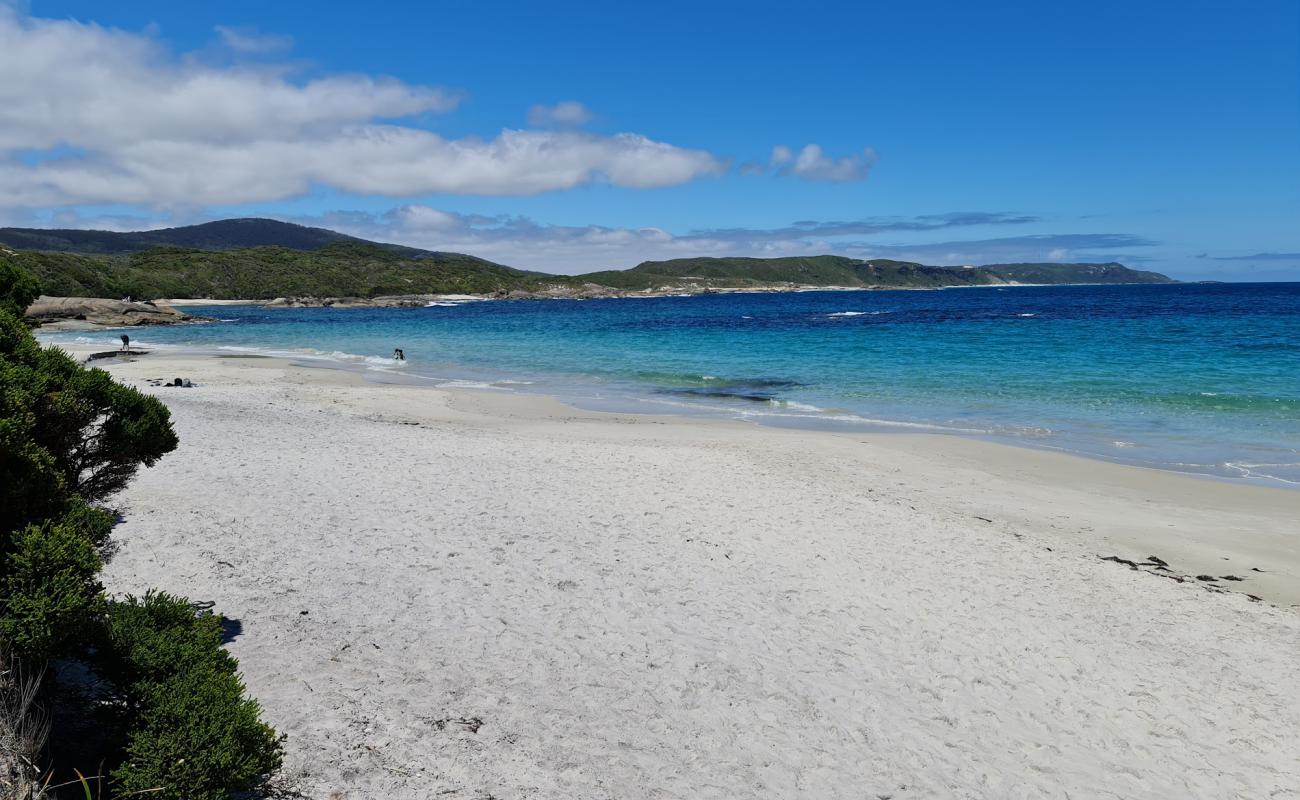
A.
x: 49, y: 594
x: 98, y: 430
x: 190, y: 732
x: 17, y: 288
x: 94, y: 522
x: 67, y: 431
x: 176, y: 723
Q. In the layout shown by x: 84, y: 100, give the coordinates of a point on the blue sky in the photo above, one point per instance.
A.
x: 1165, y: 135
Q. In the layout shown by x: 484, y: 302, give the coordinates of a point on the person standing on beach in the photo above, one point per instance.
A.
x: 126, y: 343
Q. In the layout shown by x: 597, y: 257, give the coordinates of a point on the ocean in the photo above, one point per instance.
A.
x: 1201, y: 378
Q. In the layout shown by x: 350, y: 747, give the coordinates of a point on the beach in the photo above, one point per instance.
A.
x: 474, y: 594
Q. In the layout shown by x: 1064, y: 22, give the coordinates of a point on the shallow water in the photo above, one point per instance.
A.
x: 1197, y: 377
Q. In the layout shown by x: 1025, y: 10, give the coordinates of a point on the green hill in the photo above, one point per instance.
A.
x: 338, y: 269
x: 1074, y: 273
x: 753, y: 272
x: 841, y: 271
x: 226, y: 234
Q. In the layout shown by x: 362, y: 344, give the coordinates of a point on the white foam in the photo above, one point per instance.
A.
x: 819, y: 413
x: 444, y: 305
x: 1026, y: 315
x: 386, y: 363
x: 1254, y: 471
x: 796, y: 406
x: 461, y: 384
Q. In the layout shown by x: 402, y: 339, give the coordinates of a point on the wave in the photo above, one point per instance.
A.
x: 1266, y: 471
x: 794, y: 405
x: 386, y: 362
x: 781, y: 409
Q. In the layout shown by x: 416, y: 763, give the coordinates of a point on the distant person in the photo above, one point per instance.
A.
x: 398, y: 355
x: 126, y: 343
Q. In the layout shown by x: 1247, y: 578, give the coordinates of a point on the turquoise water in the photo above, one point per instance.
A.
x: 1199, y: 377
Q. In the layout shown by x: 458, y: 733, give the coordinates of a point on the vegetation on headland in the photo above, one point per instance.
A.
x: 339, y: 269
x: 856, y: 273
x: 136, y: 694
x: 264, y: 259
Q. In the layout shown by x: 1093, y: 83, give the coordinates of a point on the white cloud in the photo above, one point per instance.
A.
x: 568, y: 114
x: 811, y: 164
x: 114, y: 117
x: 245, y: 40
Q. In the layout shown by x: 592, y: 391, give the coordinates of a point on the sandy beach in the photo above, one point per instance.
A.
x: 478, y: 594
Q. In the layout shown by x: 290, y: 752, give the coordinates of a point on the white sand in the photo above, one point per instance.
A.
x: 517, y: 600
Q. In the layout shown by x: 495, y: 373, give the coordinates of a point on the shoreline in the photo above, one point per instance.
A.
x: 1037, y: 470
x: 627, y: 400
x: 475, y: 593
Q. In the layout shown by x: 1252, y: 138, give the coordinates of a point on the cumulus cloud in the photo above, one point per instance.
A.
x: 569, y: 114
x: 812, y: 164
x: 96, y: 115
x: 522, y: 242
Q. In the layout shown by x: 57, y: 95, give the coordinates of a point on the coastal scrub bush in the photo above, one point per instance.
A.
x: 99, y: 431
x: 67, y: 431
x: 49, y: 594
x: 17, y: 289
x: 191, y: 734
x: 169, y: 714
x: 69, y: 436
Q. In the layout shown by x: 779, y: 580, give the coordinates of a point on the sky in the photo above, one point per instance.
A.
x: 569, y: 137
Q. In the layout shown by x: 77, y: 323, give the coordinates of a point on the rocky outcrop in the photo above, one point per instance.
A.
x: 100, y: 311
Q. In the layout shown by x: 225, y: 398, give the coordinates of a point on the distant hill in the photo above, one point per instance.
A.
x: 842, y: 271
x: 263, y: 258
x: 226, y: 234
x: 1112, y: 272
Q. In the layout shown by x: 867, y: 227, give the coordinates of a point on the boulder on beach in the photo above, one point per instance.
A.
x: 102, y: 311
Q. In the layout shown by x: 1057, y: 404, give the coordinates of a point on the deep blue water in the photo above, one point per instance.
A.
x: 1197, y: 377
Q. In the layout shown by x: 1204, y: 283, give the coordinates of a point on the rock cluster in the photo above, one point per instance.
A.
x: 102, y: 311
